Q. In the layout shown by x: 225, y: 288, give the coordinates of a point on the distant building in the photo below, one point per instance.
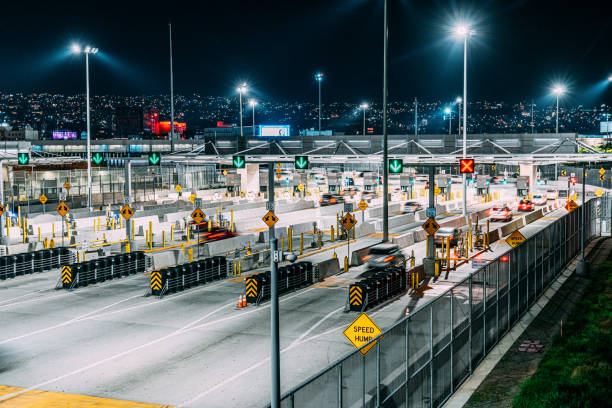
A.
x: 8, y: 133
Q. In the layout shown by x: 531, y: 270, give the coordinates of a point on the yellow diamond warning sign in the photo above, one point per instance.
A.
x: 42, y: 198
x: 437, y: 190
x: 431, y: 226
x: 362, y: 205
x: 67, y: 185
x: 301, y: 187
x: 62, y: 209
x: 192, y: 198
x: 361, y: 331
x: 599, y: 192
x: 270, y: 219
x: 515, y: 239
x: 127, y: 212
x: 571, y: 205
x: 1, y: 209
x: 198, y: 216
x: 348, y: 221
x: 178, y: 188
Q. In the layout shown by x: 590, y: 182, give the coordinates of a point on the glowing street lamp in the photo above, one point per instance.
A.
x: 76, y: 49
x: 253, y: 103
x: 241, y: 90
x: 448, y: 112
x: 319, y: 78
x: 464, y: 31
x: 364, y: 106
x: 558, y: 90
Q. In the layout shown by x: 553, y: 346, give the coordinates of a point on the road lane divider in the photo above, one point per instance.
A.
x: 27, y: 263
x: 290, y: 277
x: 383, y: 285
x: 177, y: 278
x: 101, y: 269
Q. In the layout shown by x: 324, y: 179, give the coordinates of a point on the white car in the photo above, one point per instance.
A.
x: 538, y: 199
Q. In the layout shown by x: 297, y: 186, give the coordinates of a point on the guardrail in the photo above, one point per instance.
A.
x: 185, y: 276
x: 34, y: 262
x: 101, y: 269
x: 290, y: 277
x: 422, y: 359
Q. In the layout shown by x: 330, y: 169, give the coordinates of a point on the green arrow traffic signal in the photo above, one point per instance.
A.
x: 239, y: 162
x: 23, y: 158
x: 154, y: 159
x: 301, y: 162
x: 396, y: 165
x: 97, y: 158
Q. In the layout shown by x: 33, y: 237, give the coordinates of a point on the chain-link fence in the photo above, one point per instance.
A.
x: 422, y: 359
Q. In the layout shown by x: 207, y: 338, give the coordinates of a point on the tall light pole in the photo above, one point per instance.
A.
x: 558, y: 90
x: 416, y: 117
x: 448, y: 112
x: 319, y: 79
x: 241, y: 89
x: 87, y: 51
x: 385, y: 237
x: 171, y: 92
x: 458, y: 101
x: 464, y: 31
x: 364, y: 106
x: 253, y: 102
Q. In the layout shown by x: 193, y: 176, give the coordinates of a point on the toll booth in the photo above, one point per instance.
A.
x: 299, y: 177
x: 232, y: 183
x: 522, y: 186
x: 406, y: 183
x: 334, y: 183
x: 482, y: 185
x: 263, y: 183
x: 563, y: 186
x: 369, y: 181
x: 443, y: 182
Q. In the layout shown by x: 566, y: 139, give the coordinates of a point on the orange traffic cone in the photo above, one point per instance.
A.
x: 244, y: 301
x: 240, y: 302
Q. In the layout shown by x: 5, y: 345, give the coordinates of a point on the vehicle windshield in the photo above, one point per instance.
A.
x: 381, y: 251
x: 524, y: 201
x: 412, y: 203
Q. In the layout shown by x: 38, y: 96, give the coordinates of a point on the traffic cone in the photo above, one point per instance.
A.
x: 244, y: 301
x: 240, y: 302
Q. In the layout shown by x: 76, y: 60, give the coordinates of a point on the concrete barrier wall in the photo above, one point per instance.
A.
x: 279, y: 232
x: 365, y: 228
x: 404, y: 240
x: 531, y: 217
x: 330, y: 210
x: 302, y: 227
x: 228, y: 245
x: 377, y: 211
x: 328, y: 268
x: 512, y: 226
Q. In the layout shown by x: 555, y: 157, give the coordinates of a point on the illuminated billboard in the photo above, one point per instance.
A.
x: 274, y: 130
x: 64, y: 135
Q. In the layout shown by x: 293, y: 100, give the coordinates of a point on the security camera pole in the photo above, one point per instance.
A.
x: 274, y: 330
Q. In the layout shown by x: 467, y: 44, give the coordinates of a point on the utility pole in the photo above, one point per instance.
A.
x: 171, y: 93
x: 274, y: 324
x: 385, y: 237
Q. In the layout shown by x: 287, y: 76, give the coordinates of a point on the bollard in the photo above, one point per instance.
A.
x: 209, y: 225
x: 239, y: 268
x: 290, y: 239
x: 346, y: 264
x: 335, y: 255
x: 163, y: 239
x: 78, y: 257
x: 114, y: 223
x: 188, y: 232
x: 232, y: 220
x: 427, y: 251
x: 320, y: 241
x: 52, y: 229
x: 38, y: 234
x: 150, y: 240
x: 19, y: 215
x: 353, y: 229
x: 470, y: 234
x: 455, y: 258
x: 437, y: 269
x: 183, y: 248
x: 282, y: 245
x: 52, y: 243
x: 332, y: 233
x: 121, y: 222
x: 235, y: 268
x: 301, y: 243
x: 190, y: 251
x: 412, y: 259
x: 46, y: 243
x: 172, y: 233
x: 127, y: 247
x: 448, y: 240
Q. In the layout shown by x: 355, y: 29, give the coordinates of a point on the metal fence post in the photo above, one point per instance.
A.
x: 452, y: 344
x: 377, y: 372
x: 340, y: 385
x: 497, y: 304
x: 470, y: 324
x: 407, y: 365
x: 363, y: 376
x: 431, y: 373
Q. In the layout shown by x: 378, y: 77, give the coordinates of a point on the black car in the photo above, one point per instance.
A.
x: 444, y: 233
x: 383, y: 255
x: 330, y: 199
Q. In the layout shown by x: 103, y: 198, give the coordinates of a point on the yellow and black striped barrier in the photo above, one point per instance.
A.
x: 156, y: 283
x: 355, y: 297
x: 66, y: 276
x: 252, y: 289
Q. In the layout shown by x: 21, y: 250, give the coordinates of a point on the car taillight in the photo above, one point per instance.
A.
x: 320, y: 200
x: 333, y: 200
x: 507, y: 212
x: 365, y: 258
x: 504, y: 258
x: 387, y: 259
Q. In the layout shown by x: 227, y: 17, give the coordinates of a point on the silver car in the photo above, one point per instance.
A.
x: 383, y: 255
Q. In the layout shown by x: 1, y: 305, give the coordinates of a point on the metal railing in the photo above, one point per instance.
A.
x: 421, y: 360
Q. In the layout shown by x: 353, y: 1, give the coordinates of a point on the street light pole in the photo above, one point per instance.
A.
x: 319, y: 78
x: 171, y: 93
x: 89, y: 205
x: 364, y: 106
x: 274, y: 324
x: 416, y: 117
x: 557, y: 117
x: 241, y: 114
x: 253, y: 102
x: 385, y: 237
x: 465, y: 37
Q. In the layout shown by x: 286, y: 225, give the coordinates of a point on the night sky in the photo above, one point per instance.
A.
x: 519, y: 49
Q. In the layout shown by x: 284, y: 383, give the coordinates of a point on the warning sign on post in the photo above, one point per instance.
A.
x: 127, y: 212
x: 198, y: 216
x: 515, y: 239
x: 62, y: 209
x: 431, y: 226
x: 362, y: 331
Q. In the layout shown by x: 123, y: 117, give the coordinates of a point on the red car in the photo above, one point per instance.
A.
x: 526, y: 205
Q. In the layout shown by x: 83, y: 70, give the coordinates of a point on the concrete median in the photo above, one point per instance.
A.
x: 328, y: 268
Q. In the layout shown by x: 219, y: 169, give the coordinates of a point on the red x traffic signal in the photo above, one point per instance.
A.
x: 466, y: 165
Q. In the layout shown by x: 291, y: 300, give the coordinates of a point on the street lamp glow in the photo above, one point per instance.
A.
x: 75, y: 48
x: 447, y: 110
x: 559, y: 90
x: 252, y: 102
x: 463, y: 30
x: 459, y: 99
x: 242, y: 88
x: 319, y: 76
x: 610, y: 78
x: 364, y: 106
